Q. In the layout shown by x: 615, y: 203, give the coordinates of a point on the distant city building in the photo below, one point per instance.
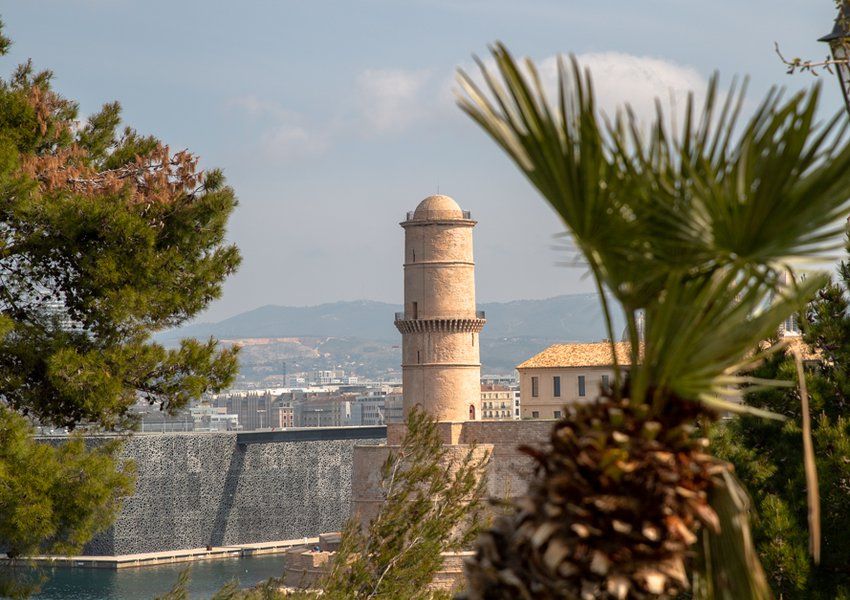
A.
x: 57, y: 313
x: 499, y: 402
x: 331, y: 376
x: 790, y: 327
x: 369, y: 408
x: 297, y: 380
x: 153, y: 420
x: 567, y: 373
x: 507, y: 380
x: 333, y: 405
x: 325, y: 411
x: 253, y: 409
x: 213, y: 418
x: 257, y: 409
x: 394, y: 406
x: 282, y: 415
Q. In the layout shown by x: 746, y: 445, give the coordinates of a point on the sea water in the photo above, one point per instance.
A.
x: 146, y: 583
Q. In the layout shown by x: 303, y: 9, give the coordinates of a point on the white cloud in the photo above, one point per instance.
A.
x: 390, y: 100
x: 385, y: 101
x: 287, y: 135
x: 258, y: 107
x: 294, y: 141
x: 620, y: 79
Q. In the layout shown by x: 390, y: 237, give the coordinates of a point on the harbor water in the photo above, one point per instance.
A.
x: 147, y: 583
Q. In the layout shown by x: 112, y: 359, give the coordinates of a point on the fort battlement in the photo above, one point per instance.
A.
x: 195, y: 490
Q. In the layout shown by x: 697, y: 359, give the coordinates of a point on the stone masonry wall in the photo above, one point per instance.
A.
x: 199, y: 489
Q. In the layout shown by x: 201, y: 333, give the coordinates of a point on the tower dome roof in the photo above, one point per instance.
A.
x: 438, y: 207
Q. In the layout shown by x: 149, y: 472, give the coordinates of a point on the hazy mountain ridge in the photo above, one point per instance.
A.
x: 359, y: 336
x: 574, y: 317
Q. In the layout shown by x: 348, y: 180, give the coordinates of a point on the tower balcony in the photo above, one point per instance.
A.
x: 399, y: 316
x: 437, y: 215
x: 447, y: 325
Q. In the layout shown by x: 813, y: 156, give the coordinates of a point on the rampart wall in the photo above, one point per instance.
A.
x: 199, y: 489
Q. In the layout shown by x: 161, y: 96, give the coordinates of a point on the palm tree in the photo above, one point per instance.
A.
x: 695, y: 230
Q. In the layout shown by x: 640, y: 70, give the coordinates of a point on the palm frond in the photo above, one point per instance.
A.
x: 812, y: 490
x: 665, y: 219
x: 728, y: 567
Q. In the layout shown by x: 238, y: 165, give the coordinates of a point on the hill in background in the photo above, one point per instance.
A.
x: 360, y: 335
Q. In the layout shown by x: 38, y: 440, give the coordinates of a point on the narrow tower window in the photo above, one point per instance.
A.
x: 471, y: 412
x: 415, y: 310
x: 414, y: 256
x: 472, y: 336
x: 417, y: 357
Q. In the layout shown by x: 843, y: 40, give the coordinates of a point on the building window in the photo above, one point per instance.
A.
x: 581, y: 390
x: 414, y: 255
x: 557, y: 414
x: 535, y: 414
x: 417, y: 357
x: 556, y: 383
x: 605, y: 382
x: 534, y: 387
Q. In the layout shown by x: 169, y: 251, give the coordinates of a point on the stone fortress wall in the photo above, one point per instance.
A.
x: 218, y: 489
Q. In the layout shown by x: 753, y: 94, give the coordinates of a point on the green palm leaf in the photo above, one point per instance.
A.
x: 693, y: 228
x: 661, y: 216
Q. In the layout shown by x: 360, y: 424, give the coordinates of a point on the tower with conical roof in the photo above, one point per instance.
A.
x: 441, y: 363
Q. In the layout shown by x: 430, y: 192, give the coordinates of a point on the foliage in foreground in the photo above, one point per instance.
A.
x: 106, y: 236
x: 764, y: 455
x: 694, y: 229
x: 433, y: 504
x: 47, y: 492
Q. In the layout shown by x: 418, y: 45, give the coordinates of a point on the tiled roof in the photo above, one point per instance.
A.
x: 495, y: 387
x: 807, y: 353
x: 597, y: 354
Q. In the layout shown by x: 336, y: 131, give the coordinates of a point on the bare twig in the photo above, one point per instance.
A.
x: 812, y: 66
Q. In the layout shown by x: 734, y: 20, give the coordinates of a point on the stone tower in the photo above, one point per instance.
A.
x: 441, y: 363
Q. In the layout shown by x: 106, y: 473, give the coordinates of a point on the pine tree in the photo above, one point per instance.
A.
x: 106, y: 236
x: 766, y: 455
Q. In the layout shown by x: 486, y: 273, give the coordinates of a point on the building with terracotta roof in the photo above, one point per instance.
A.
x: 567, y: 373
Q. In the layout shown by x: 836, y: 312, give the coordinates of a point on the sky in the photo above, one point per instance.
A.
x: 332, y: 119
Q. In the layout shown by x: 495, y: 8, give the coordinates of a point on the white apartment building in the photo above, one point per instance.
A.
x: 499, y: 402
x: 369, y: 408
